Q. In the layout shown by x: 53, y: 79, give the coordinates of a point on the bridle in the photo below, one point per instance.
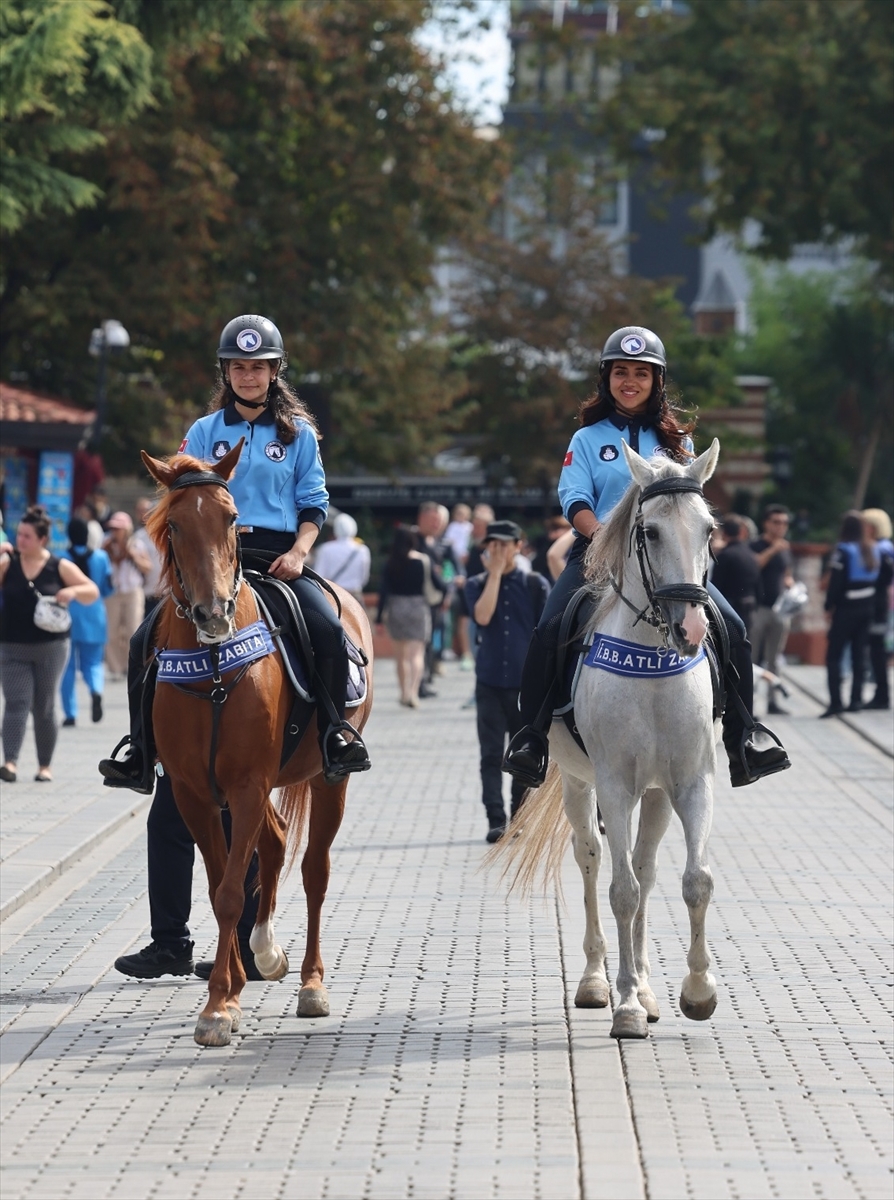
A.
x: 184, y: 607
x: 688, y: 593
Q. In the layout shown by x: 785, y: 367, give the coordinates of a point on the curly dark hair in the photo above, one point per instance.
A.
x: 666, y: 417
x: 284, y: 402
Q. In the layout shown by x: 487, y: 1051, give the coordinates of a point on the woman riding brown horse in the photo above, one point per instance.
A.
x: 234, y: 748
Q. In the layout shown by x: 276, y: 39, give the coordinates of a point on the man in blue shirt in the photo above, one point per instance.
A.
x: 506, y: 605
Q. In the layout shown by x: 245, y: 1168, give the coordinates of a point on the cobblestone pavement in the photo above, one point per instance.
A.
x: 454, y: 1063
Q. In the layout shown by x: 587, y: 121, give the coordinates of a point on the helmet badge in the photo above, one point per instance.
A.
x: 633, y: 343
x: 248, y: 340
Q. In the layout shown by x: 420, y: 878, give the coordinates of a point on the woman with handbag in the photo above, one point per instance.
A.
x: 34, y: 632
x: 410, y: 587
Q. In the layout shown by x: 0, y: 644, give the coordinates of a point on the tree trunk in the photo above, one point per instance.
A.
x: 867, y: 459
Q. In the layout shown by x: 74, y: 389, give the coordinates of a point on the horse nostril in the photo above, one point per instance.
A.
x: 230, y: 608
x: 201, y: 612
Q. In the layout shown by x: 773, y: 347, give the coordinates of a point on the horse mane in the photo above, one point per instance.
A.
x: 606, y: 556
x: 157, y: 521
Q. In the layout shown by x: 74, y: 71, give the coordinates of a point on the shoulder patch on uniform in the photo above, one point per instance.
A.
x: 569, y: 457
x: 608, y: 453
x: 182, y: 446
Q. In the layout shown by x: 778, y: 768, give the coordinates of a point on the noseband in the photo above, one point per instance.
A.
x: 688, y: 593
x: 199, y: 479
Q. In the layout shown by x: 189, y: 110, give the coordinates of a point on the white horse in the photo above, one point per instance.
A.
x: 649, y: 739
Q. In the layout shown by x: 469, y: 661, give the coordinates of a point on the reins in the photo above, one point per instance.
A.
x: 688, y: 593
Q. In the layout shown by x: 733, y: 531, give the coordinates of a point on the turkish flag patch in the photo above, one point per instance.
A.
x: 568, y: 457
x: 182, y: 446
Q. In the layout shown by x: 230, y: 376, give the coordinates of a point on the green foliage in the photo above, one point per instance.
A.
x: 827, y: 344
x: 538, y: 309
x: 775, y: 110
x: 313, y: 181
x: 64, y: 70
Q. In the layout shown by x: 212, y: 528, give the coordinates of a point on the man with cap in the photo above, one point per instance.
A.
x: 506, y: 605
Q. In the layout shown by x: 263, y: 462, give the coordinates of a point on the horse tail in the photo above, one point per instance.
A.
x: 294, y: 805
x: 534, y: 845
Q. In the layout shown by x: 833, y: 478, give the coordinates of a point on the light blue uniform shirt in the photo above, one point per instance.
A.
x: 595, y: 473
x: 88, y: 621
x: 274, y: 486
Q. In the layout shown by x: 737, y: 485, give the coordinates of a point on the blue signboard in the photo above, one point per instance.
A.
x: 55, y: 479
x: 15, y: 493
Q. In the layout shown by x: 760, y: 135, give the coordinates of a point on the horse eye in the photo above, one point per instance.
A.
x: 172, y: 527
x: 652, y: 534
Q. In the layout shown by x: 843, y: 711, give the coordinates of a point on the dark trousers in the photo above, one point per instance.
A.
x: 878, y: 660
x: 498, y: 719
x: 171, y: 855
x: 850, y: 626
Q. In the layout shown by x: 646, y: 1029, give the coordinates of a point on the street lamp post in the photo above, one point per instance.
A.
x: 110, y: 336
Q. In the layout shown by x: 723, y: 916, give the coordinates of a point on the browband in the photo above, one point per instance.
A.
x: 665, y: 487
x: 197, y: 478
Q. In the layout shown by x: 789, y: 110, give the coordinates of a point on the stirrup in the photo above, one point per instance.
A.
x: 115, y: 776
x: 532, y: 774
x: 335, y: 772
x: 738, y: 758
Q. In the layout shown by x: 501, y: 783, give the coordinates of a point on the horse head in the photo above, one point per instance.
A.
x: 672, y: 530
x: 194, y: 528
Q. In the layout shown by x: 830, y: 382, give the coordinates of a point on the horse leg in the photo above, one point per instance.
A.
x: 580, y: 808
x: 327, y: 810
x: 228, y: 975
x: 654, y: 817
x: 270, y: 958
x: 698, y: 995
x: 631, y: 1019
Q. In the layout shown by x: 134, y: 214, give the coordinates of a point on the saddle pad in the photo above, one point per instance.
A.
x: 182, y: 666
x: 277, y: 615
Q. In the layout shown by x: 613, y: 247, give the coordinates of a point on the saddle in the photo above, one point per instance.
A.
x: 574, y: 644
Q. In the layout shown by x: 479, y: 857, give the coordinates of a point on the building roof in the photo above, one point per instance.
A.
x: 19, y: 404
x: 718, y: 296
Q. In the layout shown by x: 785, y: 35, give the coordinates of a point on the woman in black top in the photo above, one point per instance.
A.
x: 32, y: 659
x: 405, y: 610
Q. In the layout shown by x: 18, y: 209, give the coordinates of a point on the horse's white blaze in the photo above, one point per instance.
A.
x: 199, y: 502
x: 263, y: 946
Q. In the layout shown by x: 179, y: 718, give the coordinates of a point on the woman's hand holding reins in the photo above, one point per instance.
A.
x: 289, y: 565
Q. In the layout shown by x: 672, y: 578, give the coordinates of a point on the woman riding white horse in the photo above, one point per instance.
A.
x: 643, y: 707
x: 631, y: 406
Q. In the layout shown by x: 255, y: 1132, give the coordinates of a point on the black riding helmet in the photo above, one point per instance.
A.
x: 250, y: 336
x: 635, y: 344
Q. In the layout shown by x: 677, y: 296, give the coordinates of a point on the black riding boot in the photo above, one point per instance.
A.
x: 527, y: 756
x: 747, y: 763
x: 340, y: 756
x: 135, y: 769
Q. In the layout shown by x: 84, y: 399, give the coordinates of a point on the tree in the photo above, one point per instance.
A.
x: 64, y: 69
x: 538, y: 308
x: 777, y: 111
x: 829, y: 351
x: 313, y: 180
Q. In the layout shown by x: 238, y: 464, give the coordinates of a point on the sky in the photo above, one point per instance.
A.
x: 478, y: 62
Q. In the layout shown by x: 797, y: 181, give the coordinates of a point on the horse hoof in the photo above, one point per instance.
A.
x: 214, y: 1031
x: 313, y: 1002
x: 630, y: 1024
x: 592, y: 993
x: 650, y: 1004
x: 235, y: 1017
x: 280, y: 970
x: 701, y: 1010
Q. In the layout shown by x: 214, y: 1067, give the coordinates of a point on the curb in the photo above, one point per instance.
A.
x: 847, y: 718
x: 51, y: 873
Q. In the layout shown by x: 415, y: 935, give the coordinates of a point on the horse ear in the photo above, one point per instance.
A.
x: 227, y: 464
x: 159, y: 470
x: 639, y: 466
x: 703, y: 467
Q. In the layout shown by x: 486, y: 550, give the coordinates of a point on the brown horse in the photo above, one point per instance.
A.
x: 193, y: 526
